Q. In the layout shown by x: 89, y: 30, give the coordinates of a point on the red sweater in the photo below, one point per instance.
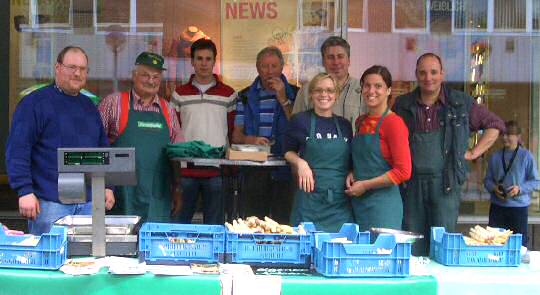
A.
x: 394, y: 137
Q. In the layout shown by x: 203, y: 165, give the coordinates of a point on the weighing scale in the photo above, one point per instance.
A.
x: 100, y: 167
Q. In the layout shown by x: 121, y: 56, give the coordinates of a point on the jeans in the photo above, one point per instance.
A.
x: 52, y: 211
x: 512, y: 218
x: 211, y: 189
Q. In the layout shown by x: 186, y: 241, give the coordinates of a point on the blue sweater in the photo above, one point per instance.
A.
x: 523, y: 173
x: 45, y: 120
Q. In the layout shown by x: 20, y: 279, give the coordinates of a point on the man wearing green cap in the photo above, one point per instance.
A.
x: 140, y: 118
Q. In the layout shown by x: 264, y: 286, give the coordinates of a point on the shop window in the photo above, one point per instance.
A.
x: 410, y: 15
x: 50, y: 17
x: 357, y: 16
x: 535, y: 15
x: 510, y: 15
x: 150, y: 15
x: 470, y: 15
x: 317, y: 15
x: 113, y: 13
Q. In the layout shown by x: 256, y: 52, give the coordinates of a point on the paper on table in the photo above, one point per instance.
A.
x: 170, y: 270
x: 260, y: 285
x: 82, y: 266
x: 235, y: 269
x: 125, y: 266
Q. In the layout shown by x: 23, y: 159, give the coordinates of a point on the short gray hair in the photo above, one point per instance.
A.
x: 270, y: 50
x: 335, y: 41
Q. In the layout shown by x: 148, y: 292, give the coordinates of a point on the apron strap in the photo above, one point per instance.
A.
x: 380, y: 121
x: 126, y: 104
x: 312, y: 125
x: 340, y: 135
x: 124, y: 111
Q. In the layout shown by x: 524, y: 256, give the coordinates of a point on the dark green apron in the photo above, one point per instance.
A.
x: 380, y: 207
x: 425, y: 203
x: 327, y: 206
x: 148, y: 133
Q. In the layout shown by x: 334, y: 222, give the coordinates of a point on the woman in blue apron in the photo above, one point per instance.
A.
x: 317, y: 147
x: 381, y: 156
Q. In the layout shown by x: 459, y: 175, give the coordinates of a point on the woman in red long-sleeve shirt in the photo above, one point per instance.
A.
x: 381, y: 156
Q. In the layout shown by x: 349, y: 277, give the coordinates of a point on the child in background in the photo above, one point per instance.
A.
x: 511, y: 178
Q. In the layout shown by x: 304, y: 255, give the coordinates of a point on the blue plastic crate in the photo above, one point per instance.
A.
x: 384, y: 258
x: 49, y: 253
x: 270, y: 250
x: 167, y: 243
x: 450, y: 249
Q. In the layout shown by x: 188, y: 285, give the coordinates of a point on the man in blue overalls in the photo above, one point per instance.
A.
x: 440, y: 120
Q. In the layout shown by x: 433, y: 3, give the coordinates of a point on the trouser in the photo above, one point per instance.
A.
x: 211, y: 189
x: 52, y: 211
x: 425, y: 204
x: 265, y: 196
x: 512, y: 218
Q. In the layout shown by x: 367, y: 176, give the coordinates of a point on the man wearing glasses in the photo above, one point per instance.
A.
x: 54, y: 116
x: 140, y: 118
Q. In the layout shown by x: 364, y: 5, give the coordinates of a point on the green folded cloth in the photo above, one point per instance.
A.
x: 194, y: 149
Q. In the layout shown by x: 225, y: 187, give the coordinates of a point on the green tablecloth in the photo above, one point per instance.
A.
x: 317, y: 285
x: 55, y: 282
x: 14, y: 281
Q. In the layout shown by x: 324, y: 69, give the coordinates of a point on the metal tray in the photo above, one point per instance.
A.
x: 114, y: 224
x: 401, y: 235
x: 116, y: 245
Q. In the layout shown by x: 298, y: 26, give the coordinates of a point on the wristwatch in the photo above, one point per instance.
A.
x: 288, y: 102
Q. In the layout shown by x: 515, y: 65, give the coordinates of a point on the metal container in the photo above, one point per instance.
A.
x: 114, y: 224
x: 401, y: 235
x: 115, y: 245
x: 121, y: 234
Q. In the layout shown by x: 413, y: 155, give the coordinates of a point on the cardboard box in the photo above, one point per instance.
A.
x: 243, y: 155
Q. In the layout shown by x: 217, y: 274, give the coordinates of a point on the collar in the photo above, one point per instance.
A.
x: 137, y: 98
x: 217, y: 80
x: 441, y: 99
x: 62, y: 91
x: 262, y: 91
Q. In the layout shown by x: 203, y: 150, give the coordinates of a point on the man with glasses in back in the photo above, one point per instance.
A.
x: 54, y: 116
x: 140, y: 118
x: 336, y: 54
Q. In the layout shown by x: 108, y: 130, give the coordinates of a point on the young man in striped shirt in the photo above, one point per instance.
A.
x: 206, y: 110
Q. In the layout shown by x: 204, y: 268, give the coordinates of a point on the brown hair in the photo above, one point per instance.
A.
x: 60, y: 57
x: 381, y: 71
x: 512, y: 127
x: 201, y: 44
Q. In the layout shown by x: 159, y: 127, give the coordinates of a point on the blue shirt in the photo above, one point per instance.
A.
x: 43, y: 121
x: 298, y: 130
x: 267, y: 105
x: 523, y: 173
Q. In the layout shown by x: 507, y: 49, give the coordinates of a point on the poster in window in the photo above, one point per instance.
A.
x: 249, y: 26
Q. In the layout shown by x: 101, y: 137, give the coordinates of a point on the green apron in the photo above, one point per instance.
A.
x: 381, y: 207
x: 327, y: 206
x: 425, y: 203
x: 148, y: 133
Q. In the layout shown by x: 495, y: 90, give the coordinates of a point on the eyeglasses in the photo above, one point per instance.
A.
x: 73, y: 69
x: 320, y: 91
x: 148, y: 77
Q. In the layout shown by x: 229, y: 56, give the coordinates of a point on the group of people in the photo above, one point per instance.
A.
x: 354, y: 158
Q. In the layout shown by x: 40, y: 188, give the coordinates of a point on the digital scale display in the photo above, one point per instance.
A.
x: 86, y: 158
